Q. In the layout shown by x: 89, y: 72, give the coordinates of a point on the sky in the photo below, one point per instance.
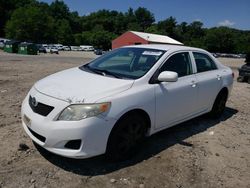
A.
x: 231, y: 13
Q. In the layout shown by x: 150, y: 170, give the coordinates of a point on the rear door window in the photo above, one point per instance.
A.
x: 203, y: 62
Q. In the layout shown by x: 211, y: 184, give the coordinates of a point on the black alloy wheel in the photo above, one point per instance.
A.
x: 126, y: 137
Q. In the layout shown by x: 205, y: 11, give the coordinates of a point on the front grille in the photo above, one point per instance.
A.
x: 38, y: 136
x: 39, y: 108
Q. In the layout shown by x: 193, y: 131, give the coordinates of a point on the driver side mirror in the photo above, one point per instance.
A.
x: 168, y: 76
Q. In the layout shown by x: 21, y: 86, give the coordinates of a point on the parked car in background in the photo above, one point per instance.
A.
x: 41, y: 48
x: 47, y: 49
x: 1, y: 44
x: 215, y: 55
x: 66, y: 48
x: 112, y: 103
x: 58, y: 46
x: 54, y: 50
x: 87, y: 48
x: 230, y: 55
x: 244, y: 71
x: 98, y: 51
x: 45, y: 45
x: 75, y: 48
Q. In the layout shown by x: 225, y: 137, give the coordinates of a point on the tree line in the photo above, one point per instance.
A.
x: 39, y: 22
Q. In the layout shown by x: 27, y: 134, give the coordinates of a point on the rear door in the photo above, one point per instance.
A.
x: 209, y: 80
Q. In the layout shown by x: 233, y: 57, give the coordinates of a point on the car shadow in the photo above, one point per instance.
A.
x: 154, y: 145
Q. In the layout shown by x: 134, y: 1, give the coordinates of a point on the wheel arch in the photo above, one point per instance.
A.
x: 223, y: 91
x: 111, y: 149
x: 219, y: 103
x: 138, y: 111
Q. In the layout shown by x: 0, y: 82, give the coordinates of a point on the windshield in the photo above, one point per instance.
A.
x: 128, y: 63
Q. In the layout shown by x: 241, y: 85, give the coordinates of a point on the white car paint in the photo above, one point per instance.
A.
x: 166, y: 103
x: 75, y: 88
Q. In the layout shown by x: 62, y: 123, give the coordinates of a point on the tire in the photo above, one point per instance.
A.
x: 240, y: 79
x: 125, y: 137
x: 248, y: 80
x: 219, y: 105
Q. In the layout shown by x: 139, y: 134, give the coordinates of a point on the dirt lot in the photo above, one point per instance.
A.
x: 199, y: 153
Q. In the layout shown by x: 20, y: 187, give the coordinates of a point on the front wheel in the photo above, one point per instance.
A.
x: 219, y: 105
x: 125, y: 137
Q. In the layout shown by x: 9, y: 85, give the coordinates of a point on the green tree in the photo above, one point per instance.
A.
x: 195, y: 29
x: 152, y: 29
x: 130, y: 16
x: 36, y: 21
x: 84, y: 38
x: 181, y: 32
x: 6, y: 9
x: 134, y: 26
x: 59, y: 10
x: 144, y: 17
x: 63, y: 32
x: 105, y: 18
x: 98, y: 38
x: 102, y: 39
x: 75, y: 22
x: 194, y: 34
x: 242, y: 41
x: 30, y: 24
x: 220, y: 39
x: 130, y: 21
x: 120, y: 24
x: 167, y: 26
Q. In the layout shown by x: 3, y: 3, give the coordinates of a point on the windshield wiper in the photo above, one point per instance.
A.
x: 106, y: 72
x: 93, y: 69
x: 101, y: 71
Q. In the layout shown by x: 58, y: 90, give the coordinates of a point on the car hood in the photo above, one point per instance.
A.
x: 78, y: 86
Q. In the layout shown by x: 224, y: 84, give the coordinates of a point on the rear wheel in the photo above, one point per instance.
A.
x: 126, y: 136
x: 219, y: 105
x: 248, y: 80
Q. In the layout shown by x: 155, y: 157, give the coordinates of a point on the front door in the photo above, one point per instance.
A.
x: 175, y: 101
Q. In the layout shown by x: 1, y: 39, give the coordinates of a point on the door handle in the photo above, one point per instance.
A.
x: 193, y: 84
x: 218, y: 77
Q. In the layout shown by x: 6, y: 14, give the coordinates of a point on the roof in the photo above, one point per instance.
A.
x: 156, y: 38
x: 165, y: 47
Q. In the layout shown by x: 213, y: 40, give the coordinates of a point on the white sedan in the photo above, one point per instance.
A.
x: 112, y: 103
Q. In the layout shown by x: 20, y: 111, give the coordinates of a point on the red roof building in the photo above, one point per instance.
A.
x: 136, y: 38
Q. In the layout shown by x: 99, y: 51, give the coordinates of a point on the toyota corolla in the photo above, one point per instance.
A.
x: 112, y: 103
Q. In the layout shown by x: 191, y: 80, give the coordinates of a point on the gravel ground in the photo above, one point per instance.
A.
x: 198, y: 153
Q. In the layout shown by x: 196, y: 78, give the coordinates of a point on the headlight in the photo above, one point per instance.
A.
x: 77, y: 112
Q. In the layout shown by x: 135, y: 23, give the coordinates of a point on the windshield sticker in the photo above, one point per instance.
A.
x: 152, y: 53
